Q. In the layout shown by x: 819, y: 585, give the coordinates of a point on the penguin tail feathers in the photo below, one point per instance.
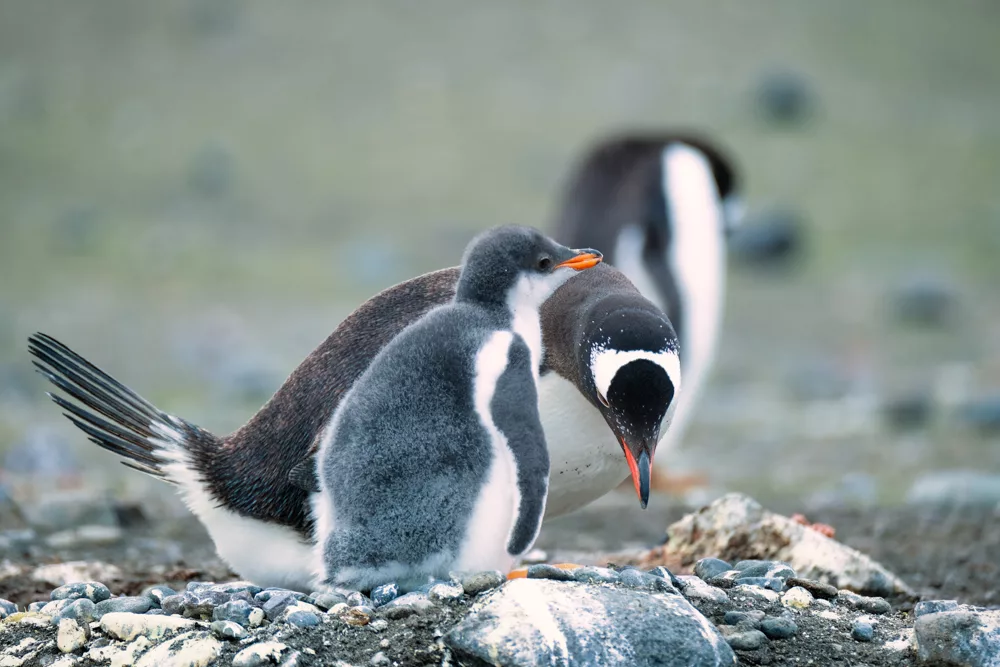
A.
x: 113, y: 416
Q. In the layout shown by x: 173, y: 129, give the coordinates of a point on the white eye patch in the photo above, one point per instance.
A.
x: 605, y: 364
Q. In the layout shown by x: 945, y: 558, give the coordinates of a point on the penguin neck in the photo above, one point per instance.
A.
x: 526, y: 322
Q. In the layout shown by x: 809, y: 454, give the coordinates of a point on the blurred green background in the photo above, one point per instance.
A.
x: 193, y: 194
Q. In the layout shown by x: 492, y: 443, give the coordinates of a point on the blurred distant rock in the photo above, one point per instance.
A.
x: 818, y: 380
x: 42, y: 452
x: 211, y: 173
x: 924, y: 300
x: 773, y: 238
x: 75, y: 231
x: 956, y: 487
x: 983, y: 414
x: 854, y: 490
x: 64, y: 510
x: 909, y: 411
x: 784, y: 98
x: 11, y: 515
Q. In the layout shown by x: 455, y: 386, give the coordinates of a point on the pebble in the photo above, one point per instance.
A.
x: 863, y: 603
x: 261, y: 653
x: 172, y: 604
x: 72, y: 635
x: 228, y: 630
x: 924, y: 300
x: 275, y: 606
x: 446, y: 592
x: 747, y: 619
x: 641, y: 581
x: 707, y: 568
x: 326, y: 601
x: 695, y: 589
x: 234, y: 611
x: 54, y: 607
x: 546, y: 571
x: 381, y: 595
x: 202, y: 602
x: 268, y: 593
x: 407, y: 605
x: 7, y: 608
x: 818, y: 589
x: 785, y: 97
x: 191, y: 649
x: 778, y: 628
x: 749, y: 640
x: 378, y: 625
x: 134, y: 605
x: 92, y: 590
x: 664, y: 573
x: 764, y: 568
x: 355, y: 616
x: 302, y: 619
x: 357, y: 599
x: 797, y: 597
x: 863, y: 631
x: 756, y: 592
x: 35, y: 607
x: 966, y: 636
x: 157, y: 593
x: 933, y: 606
x: 256, y: 617
x: 771, y: 583
x: 232, y: 588
x: 380, y: 659
x: 480, y: 582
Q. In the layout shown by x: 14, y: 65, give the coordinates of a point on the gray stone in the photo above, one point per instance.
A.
x: 276, y: 605
x: 157, y: 593
x: 595, y: 575
x: 707, y: 568
x: 134, y: 605
x: 54, y: 607
x: 380, y: 659
x: 407, y: 605
x: 585, y: 625
x: 126, y: 627
x: 7, y: 608
x: 36, y: 607
x: 966, y: 636
x: 382, y: 594
x: 173, y: 604
x: 770, y: 583
x: 302, y: 619
x: 664, y: 573
x: 546, y: 571
x: 228, y: 630
x: 862, y: 603
x: 764, y: 569
x: 92, y: 590
x: 785, y: 97
x: 234, y: 611
x: 779, y: 628
x: 695, y: 589
x: 82, y: 610
x: 201, y: 603
x: 236, y: 587
x: 934, y: 606
x: 641, y: 581
x: 266, y: 594
x: 748, y: 640
x: 191, y: 649
x: 446, y: 592
x: 863, y: 631
x: 924, y: 300
x: 357, y: 599
x: 479, y: 582
x: 261, y: 653
x: 327, y: 600
x: 744, y: 619
x: 379, y: 625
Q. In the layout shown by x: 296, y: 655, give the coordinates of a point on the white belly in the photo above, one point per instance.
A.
x: 586, y: 461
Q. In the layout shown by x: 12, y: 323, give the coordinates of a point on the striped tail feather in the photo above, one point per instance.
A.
x: 113, y: 416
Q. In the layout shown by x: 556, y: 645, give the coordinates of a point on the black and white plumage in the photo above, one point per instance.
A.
x: 435, y: 460
x: 661, y: 207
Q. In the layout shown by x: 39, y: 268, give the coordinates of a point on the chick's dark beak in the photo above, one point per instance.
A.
x: 640, y: 463
x: 583, y: 259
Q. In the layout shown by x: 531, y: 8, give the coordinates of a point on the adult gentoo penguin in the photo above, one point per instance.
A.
x: 436, y: 460
x: 661, y: 207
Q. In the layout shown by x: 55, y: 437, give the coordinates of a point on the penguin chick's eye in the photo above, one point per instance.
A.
x: 544, y: 263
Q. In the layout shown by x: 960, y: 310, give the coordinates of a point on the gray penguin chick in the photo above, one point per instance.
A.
x: 436, y: 460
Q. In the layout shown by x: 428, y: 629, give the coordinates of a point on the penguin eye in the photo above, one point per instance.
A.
x: 544, y: 263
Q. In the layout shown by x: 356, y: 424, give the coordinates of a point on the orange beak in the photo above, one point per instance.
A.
x: 640, y: 470
x: 585, y: 260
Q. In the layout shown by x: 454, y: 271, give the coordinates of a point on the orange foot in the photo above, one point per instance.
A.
x: 522, y: 572
x: 821, y: 528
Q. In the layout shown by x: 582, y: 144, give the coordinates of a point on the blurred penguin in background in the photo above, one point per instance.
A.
x: 661, y: 207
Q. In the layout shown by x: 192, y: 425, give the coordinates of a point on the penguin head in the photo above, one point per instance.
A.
x: 632, y: 376
x: 518, y: 267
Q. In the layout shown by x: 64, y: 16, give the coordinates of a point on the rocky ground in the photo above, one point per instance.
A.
x: 786, y: 595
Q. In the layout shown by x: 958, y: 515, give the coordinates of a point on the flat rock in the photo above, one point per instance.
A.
x: 71, y: 635
x: 261, y: 653
x: 966, y: 636
x: 736, y: 527
x: 191, y: 649
x: 127, y: 626
x: 540, y: 621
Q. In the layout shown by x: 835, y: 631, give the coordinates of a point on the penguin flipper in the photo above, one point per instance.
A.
x: 112, y: 415
x: 304, y: 475
x: 514, y: 409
